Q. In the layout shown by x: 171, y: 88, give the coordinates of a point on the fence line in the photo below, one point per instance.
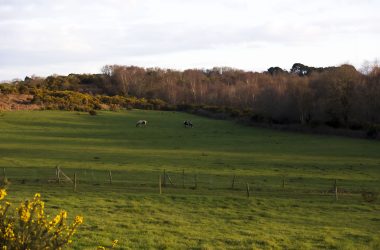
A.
x: 147, y: 180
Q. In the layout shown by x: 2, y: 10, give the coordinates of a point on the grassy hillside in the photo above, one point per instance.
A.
x: 302, y: 215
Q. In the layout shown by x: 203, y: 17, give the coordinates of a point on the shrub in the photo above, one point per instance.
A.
x: 258, y: 118
x: 114, y: 107
x: 97, y: 106
x: 28, y: 227
x: 235, y: 113
x: 169, y: 107
x: 92, y: 112
x: 335, y: 123
x: 314, y: 123
x: 157, y: 103
x: 214, y: 109
x: 355, y: 125
x: 185, y: 107
x: 147, y: 106
x: 372, y: 131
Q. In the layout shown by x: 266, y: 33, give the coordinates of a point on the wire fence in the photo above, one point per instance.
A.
x: 182, y: 181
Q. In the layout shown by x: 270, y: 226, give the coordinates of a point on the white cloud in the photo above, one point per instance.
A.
x: 46, y: 37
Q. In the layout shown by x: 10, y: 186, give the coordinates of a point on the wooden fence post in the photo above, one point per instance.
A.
x: 5, y: 180
x: 164, y: 182
x: 195, y: 182
x: 336, y: 190
x: 110, y: 175
x: 75, y: 182
x: 183, y: 178
x: 58, y: 175
x: 233, y: 182
x: 283, y: 182
x: 248, y: 194
x: 159, y: 184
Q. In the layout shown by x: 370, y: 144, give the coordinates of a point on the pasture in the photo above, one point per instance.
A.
x: 291, y: 179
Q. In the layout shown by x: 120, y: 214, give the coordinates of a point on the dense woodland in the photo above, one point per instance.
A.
x: 339, y: 97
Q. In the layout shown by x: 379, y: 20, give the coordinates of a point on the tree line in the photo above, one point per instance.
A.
x: 340, y: 97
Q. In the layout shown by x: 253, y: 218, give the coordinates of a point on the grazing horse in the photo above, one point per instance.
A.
x: 188, y: 124
x: 141, y: 123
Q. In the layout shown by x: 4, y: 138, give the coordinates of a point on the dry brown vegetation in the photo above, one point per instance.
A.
x: 17, y: 102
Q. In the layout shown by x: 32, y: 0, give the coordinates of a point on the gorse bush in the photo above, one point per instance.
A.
x: 76, y: 101
x: 28, y: 227
x: 92, y: 112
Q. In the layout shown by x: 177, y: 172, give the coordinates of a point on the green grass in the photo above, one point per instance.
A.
x: 304, y: 215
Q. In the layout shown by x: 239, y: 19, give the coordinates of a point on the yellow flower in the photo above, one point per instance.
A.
x: 55, y: 221
x: 114, y: 243
x: 63, y: 214
x: 37, y: 196
x: 9, y: 232
x: 31, y: 216
x: 40, y: 210
x: 78, y: 219
x: 3, y: 193
x: 24, y: 214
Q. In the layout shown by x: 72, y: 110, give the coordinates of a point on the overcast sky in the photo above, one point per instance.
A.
x: 44, y: 37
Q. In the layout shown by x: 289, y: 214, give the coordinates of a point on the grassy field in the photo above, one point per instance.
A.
x: 302, y: 215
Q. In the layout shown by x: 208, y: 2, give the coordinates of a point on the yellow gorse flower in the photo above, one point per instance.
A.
x: 63, y: 214
x: 78, y: 220
x: 114, y: 243
x: 24, y: 213
x: 9, y: 234
x: 3, y: 193
x: 55, y: 221
x: 32, y: 229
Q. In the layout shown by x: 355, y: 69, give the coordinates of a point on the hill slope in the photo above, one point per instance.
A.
x: 207, y: 212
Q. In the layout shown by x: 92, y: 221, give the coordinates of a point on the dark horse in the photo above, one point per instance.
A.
x: 188, y: 124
